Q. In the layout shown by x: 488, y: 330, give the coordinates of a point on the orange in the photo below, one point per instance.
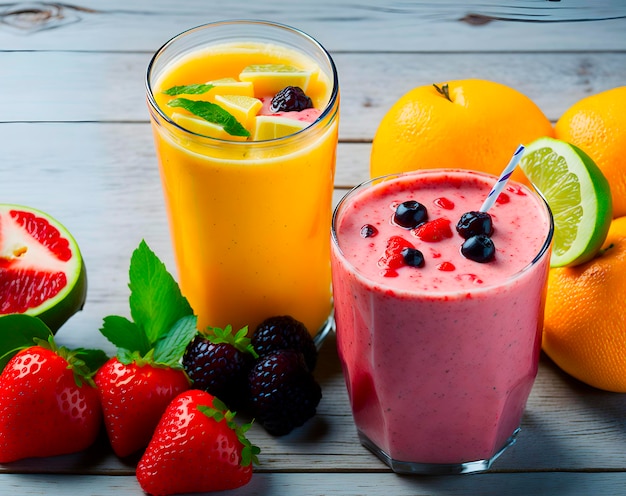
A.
x: 479, y: 127
x: 585, y: 317
x: 597, y: 125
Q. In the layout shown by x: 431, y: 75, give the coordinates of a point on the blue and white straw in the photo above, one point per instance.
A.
x: 501, y: 182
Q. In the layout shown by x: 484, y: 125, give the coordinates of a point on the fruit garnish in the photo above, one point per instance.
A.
x: 42, y: 272
x: 136, y: 386
x: 368, y: 231
x: 412, y: 257
x: 230, y: 86
x: 479, y: 248
x: 189, y: 89
x: 434, y: 230
x: 211, y: 113
x: 393, y: 257
x: 410, y: 214
x: 473, y: 223
x: 269, y: 127
x: 578, y: 195
x: 197, y: 447
x: 269, y: 79
x: 204, y: 128
x: 243, y: 108
x: 48, y: 401
x: 291, y: 99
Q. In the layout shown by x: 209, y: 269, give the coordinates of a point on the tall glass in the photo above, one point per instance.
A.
x: 249, y: 220
x: 439, y: 358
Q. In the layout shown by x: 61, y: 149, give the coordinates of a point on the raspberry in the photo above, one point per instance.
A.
x: 290, y: 99
x: 219, y: 364
x: 283, y: 392
x: 434, y: 230
x: 285, y: 333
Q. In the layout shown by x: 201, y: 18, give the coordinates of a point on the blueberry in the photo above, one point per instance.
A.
x: 368, y: 231
x: 474, y: 223
x: 479, y: 248
x: 410, y: 214
x: 290, y: 99
x: 412, y: 257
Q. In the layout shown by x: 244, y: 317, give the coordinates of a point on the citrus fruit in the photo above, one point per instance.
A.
x: 230, y: 86
x: 42, y: 272
x: 271, y: 127
x: 585, y: 317
x: 205, y: 128
x: 467, y: 124
x: 243, y: 108
x: 269, y: 79
x: 597, y: 125
x: 578, y: 194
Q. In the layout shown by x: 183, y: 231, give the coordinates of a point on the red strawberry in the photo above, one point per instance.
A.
x: 197, y: 447
x: 434, y: 230
x: 48, y: 403
x: 133, y: 399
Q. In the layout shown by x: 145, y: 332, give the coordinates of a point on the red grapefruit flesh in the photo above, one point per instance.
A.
x: 42, y: 272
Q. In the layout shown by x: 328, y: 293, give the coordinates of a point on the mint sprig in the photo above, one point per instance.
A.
x: 213, y: 113
x: 162, y: 320
x: 189, y: 89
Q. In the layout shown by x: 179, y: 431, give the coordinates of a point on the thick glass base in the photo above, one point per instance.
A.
x: 403, y: 467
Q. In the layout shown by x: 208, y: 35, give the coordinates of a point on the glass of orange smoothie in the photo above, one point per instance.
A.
x: 247, y: 169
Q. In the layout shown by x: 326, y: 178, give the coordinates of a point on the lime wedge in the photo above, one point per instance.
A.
x: 269, y: 79
x: 203, y: 127
x: 243, y: 108
x: 270, y: 127
x: 578, y: 194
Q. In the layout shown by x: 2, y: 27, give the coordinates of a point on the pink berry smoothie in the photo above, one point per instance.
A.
x: 439, y: 358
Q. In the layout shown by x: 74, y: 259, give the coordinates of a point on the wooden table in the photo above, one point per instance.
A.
x: 75, y: 141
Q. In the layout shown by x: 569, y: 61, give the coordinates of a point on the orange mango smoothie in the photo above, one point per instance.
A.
x: 249, y: 217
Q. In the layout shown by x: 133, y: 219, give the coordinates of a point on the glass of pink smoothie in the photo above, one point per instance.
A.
x: 439, y: 353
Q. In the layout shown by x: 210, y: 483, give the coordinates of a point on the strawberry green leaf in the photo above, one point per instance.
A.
x: 19, y: 331
x: 171, y: 347
x: 190, y: 89
x: 93, y: 359
x: 156, y: 302
x: 124, y: 334
x: 213, y: 113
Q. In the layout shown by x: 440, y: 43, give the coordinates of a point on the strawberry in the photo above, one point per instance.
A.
x: 48, y: 402
x: 434, y: 230
x: 136, y: 386
x: 133, y: 397
x: 197, y: 447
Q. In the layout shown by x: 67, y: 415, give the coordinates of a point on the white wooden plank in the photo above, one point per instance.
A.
x: 349, y: 25
x: 39, y: 86
x: 329, y: 484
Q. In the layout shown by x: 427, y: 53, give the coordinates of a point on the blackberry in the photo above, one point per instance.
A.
x: 284, y: 333
x: 474, y: 223
x: 410, y: 214
x: 283, y: 392
x: 219, y: 363
x: 479, y: 248
x: 290, y: 99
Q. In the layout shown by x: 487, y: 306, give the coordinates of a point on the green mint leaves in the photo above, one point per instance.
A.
x: 213, y: 113
x: 190, y: 89
x: 162, y: 320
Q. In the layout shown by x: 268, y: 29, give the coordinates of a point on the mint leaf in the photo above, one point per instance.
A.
x: 190, y: 89
x: 19, y: 331
x: 125, y: 334
x: 170, y: 349
x: 156, y: 302
x: 213, y: 113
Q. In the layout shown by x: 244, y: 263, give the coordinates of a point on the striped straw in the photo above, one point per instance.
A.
x: 501, y: 182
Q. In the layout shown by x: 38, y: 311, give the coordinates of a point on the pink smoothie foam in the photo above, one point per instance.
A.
x: 440, y: 360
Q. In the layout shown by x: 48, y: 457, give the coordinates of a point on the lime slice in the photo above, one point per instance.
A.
x: 269, y: 79
x: 42, y: 272
x: 578, y: 194
x: 230, y: 86
x: 243, y: 108
x: 270, y: 127
x: 205, y: 128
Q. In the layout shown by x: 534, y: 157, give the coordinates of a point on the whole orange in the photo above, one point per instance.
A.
x: 467, y: 124
x: 597, y: 125
x: 585, y: 319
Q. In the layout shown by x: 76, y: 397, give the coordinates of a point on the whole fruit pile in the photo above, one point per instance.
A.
x: 269, y: 375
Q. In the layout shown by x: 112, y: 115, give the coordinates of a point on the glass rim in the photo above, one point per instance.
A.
x: 330, y: 106
x: 432, y: 293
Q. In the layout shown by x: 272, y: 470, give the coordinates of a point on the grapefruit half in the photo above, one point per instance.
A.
x: 42, y: 272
